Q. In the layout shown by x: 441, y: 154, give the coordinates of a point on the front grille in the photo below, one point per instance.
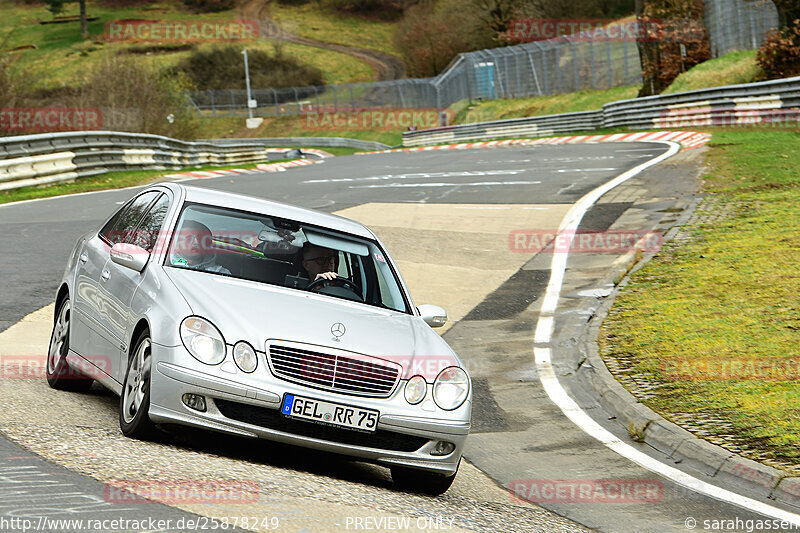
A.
x: 272, y: 419
x: 349, y: 374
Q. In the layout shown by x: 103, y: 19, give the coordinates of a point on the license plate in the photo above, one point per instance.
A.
x: 333, y: 414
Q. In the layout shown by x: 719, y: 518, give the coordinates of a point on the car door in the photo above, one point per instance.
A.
x: 118, y: 284
x: 86, y: 338
x: 99, y: 345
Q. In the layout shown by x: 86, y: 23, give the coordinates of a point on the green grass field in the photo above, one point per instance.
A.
x: 332, y: 27
x: 726, y: 299
x: 61, y: 56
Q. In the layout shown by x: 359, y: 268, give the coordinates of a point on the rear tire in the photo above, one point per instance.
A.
x: 59, y: 374
x: 421, y: 481
x: 134, y: 402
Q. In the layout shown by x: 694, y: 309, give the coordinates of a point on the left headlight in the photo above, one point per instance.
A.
x: 203, y: 340
x: 450, y: 388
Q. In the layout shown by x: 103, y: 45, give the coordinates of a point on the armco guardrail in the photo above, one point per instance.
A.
x: 537, y: 126
x: 718, y: 106
x: 321, y: 142
x: 752, y: 103
x: 55, y: 157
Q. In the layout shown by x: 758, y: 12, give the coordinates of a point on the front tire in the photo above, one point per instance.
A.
x: 59, y: 374
x: 134, y: 402
x: 421, y: 481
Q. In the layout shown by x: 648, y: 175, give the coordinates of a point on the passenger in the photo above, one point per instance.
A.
x: 196, y: 249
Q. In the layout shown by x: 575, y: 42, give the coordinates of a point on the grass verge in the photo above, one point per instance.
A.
x: 540, y: 105
x: 730, y: 69
x: 712, y: 323
x: 289, y: 126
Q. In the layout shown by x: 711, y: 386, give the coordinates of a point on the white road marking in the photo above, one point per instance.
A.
x: 559, y: 396
x: 454, y: 174
x: 424, y: 175
x: 476, y: 183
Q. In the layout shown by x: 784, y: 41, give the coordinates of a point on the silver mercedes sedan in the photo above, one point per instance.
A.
x: 259, y: 319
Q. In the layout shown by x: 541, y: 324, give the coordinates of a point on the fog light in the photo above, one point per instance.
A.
x: 195, y: 401
x: 443, y: 448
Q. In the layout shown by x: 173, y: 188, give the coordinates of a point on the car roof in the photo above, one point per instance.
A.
x: 271, y: 208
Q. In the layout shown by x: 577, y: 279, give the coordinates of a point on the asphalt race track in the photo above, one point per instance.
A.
x: 446, y: 216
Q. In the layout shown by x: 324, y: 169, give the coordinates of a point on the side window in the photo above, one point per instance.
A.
x: 125, y: 221
x: 105, y: 233
x: 147, y: 232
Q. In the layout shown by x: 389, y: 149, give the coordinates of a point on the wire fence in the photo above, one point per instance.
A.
x: 738, y: 24
x: 555, y: 66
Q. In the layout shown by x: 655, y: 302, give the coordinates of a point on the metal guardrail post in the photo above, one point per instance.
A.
x: 575, y: 65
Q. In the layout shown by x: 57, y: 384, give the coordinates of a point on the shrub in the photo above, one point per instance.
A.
x: 222, y: 67
x: 385, y: 9
x: 779, y: 56
x: 134, y: 97
x: 209, y: 6
x: 428, y: 39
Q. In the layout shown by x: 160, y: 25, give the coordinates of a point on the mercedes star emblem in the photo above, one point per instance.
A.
x: 337, y: 329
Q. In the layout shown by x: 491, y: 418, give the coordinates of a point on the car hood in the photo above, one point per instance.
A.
x: 255, y: 312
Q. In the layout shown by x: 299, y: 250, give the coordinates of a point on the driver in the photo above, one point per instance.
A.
x: 319, y: 262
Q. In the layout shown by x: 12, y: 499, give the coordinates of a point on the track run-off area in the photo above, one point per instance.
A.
x: 465, y: 228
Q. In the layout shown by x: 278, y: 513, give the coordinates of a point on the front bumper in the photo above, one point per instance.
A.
x: 404, y: 436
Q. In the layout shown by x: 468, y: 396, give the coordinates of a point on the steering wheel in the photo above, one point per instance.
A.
x: 344, y: 282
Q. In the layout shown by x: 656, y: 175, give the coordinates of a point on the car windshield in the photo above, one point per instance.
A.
x: 284, y: 253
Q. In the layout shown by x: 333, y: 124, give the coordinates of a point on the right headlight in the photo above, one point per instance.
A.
x: 450, y: 388
x: 245, y: 357
x: 203, y: 340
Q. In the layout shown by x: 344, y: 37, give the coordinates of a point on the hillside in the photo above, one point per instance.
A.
x: 55, y: 55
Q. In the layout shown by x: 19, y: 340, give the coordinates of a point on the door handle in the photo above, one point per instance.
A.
x: 83, y: 258
x: 105, y: 275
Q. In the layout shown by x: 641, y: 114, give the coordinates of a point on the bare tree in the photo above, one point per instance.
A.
x: 788, y: 12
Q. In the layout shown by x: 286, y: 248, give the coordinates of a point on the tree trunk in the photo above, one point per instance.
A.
x: 84, y: 24
x: 648, y: 57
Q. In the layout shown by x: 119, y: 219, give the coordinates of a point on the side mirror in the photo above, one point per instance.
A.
x: 433, y: 315
x: 130, y: 256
